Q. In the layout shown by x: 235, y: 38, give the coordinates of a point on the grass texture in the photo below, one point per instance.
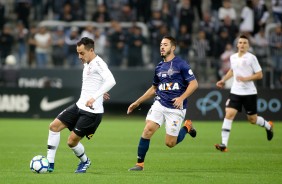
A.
x: 251, y: 158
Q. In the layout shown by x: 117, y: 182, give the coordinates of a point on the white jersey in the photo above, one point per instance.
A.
x: 97, y: 79
x: 244, y: 66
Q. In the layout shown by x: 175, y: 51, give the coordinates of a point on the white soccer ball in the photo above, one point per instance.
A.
x: 39, y: 164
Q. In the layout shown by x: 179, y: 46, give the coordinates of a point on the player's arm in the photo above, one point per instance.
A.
x: 150, y: 93
x: 108, y: 83
x: 178, y: 102
x: 227, y: 76
x: 255, y: 76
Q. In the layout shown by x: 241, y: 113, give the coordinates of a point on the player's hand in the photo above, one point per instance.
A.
x: 178, y: 103
x: 240, y: 79
x: 89, y: 103
x: 106, y: 96
x: 220, y: 84
x: 132, y: 107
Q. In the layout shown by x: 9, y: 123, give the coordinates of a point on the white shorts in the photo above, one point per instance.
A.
x: 172, y: 118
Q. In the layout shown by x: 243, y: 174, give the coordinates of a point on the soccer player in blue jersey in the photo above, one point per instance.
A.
x: 173, y: 83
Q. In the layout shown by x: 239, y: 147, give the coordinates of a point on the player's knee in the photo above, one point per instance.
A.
x: 170, y: 144
x: 71, y: 143
x: 252, y: 120
x: 56, y: 126
x: 147, y: 133
x: 229, y: 116
x: 53, y: 127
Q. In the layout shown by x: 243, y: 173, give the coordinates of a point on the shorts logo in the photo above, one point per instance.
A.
x: 89, y: 136
x: 227, y: 102
x: 174, y: 123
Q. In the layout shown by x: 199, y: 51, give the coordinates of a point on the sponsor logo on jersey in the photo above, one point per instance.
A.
x: 169, y: 86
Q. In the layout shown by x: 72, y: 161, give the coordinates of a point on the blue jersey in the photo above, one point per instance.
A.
x: 172, y: 79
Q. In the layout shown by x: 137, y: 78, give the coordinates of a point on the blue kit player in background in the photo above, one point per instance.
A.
x: 173, y: 83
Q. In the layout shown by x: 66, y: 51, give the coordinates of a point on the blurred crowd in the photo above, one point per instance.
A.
x: 206, y: 36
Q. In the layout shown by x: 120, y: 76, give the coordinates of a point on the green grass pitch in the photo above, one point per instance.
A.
x: 251, y: 158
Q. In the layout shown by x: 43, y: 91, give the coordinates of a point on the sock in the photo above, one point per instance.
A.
x: 78, y: 150
x: 261, y: 122
x: 143, y: 147
x: 52, y: 145
x: 183, y: 131
x: 225, y: 131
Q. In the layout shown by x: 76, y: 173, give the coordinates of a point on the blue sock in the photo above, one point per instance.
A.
x: 182, y: 133
x: 142, y: 149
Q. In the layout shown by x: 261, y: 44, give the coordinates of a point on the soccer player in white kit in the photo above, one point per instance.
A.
x: 173, y: 83
x: 245, y: 69
x: 83, y: 117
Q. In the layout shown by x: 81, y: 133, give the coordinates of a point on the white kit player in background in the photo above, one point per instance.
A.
x: 245, y: 69
x: 83, y: 117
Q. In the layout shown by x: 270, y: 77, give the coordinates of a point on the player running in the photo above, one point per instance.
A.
x: 245, y: 69
x: 173, y: 83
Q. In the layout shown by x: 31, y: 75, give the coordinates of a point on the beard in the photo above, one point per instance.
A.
x: 163, y: 55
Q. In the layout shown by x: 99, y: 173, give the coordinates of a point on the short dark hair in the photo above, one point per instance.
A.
x: 87, y: 42
x: 244, y: 37
x: 172, y: 40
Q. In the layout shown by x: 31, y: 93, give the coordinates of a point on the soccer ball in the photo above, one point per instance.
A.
x: 39, y: 164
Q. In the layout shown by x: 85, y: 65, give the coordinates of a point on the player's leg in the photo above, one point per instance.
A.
x: 233, y: 105
x: 53, y: 141
x: 187, y: 128
x: 250, y: 105
x: 174, y: 133
x: 154, y: 120
x: 66, y: 119
x: 258, y: 120
x: 227, y: 125
x: 226, y: 129
x: 86, y: 125
x: 144, y: 143
x: 79, y: 150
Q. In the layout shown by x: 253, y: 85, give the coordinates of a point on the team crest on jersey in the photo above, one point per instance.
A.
x: 88, y: 70
x: 168, y: 73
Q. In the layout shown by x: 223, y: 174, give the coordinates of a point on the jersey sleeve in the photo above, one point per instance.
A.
x: 156, y: 79
x: 187, y: 72
x: 107, y: 77
x: 255, y: 65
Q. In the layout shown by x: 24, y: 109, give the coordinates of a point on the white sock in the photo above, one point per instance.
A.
x: 261, y: 122
x: 52, y: 145
x: 78, y: 150
x: 225, y: 130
